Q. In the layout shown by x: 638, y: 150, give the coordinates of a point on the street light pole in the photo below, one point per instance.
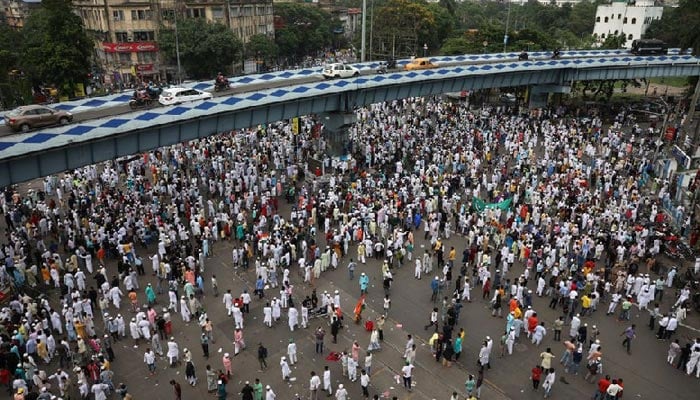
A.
x: 364, y: 28
x: 505, y: 36
x: 177, y: 52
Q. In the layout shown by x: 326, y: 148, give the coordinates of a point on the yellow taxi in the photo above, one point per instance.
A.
x: 419, y: 63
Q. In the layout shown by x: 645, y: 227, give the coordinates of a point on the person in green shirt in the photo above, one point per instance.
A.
x: 626, y: 306
x: 258, y: 388
x: 470, y: 384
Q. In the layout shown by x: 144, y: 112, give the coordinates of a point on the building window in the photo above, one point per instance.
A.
x: 235, y: 11
x: 217, y: 13
x: 629, y: 37
x: 122, y: 37
x: 118, y: 15
x: 597, y: 19
x: 167, y: 14
x: 606, y: 19
x: 260, y: 10
x: 146, y: 57
x: 248, y: 11
x: 144, y: 36
x: 125, y: 58
x: 616, y: 32
x: 602, y: 36
x: 262, y: 29
x: 634, y: 21
x: 196, y: 12
x: 619, y: 16
x: 140, y: 15
x: 624, y: 21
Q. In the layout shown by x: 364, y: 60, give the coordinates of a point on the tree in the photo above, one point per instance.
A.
x: 678, y: 26
x: 10, y: 44
x: 262, y: 47
x: 402, y: 27
x: 205, y: 47
x: 614, y: 41
x: 306, y: 30
x: 56, y: 48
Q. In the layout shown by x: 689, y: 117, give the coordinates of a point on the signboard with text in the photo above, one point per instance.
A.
x: 131, y: 47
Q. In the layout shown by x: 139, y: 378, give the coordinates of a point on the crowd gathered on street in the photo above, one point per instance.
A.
x: 525, y: 212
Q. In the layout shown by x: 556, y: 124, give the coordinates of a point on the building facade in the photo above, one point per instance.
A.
x: 16, y: 11
x: 628, y: 17
x: 126, y: 31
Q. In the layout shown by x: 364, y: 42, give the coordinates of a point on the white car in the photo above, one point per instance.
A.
x: 339, y: 70
x: 177, y: 95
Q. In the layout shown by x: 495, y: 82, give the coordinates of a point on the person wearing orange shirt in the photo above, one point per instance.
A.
x: 532, y: 323
x: 133, y: 300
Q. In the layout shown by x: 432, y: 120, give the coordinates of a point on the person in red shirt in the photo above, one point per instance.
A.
x: 603, y: 384
x: 532, y: 323
x: 622, y: 386
x: 536, y: 377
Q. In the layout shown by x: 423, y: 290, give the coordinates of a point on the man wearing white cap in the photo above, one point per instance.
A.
x: 286, y: 371
x: 341, y: 393
x: 269, y: 394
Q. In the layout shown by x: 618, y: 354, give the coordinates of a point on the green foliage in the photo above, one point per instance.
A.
x: 10, y: 44
x: 307, y: 29
x: 678, y: 26
x: 614, y: 42
x: 261, y: 46
x: 205, y: 47
x: 403, y: 26
x: 55, y: 48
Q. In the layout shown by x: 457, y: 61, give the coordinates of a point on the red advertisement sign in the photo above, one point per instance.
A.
x: 144, y: 67
x: 130, y: 47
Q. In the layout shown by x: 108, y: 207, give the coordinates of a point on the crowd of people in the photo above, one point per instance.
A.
x: 543, y: 206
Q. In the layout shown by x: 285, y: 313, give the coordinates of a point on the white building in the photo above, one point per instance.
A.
x: 631, y: 17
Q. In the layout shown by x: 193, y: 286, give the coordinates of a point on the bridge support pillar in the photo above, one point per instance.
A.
x: 336, y: 127
x: 539, y: 94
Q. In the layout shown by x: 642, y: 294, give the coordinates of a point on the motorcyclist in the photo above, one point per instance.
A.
x: 221, y: 79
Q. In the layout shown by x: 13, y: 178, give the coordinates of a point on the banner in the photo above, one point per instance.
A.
x: 295, y: 125
x: 129, y: 47
x: 480, y: 205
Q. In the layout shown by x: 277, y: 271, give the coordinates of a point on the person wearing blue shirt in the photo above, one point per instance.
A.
x: 364, y: 283
x: 259, y: 287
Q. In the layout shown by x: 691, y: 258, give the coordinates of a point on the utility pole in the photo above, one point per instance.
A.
x: 177, y: 52
x: 505, y: 36
x: 364, y: 29
x: 689, y: 119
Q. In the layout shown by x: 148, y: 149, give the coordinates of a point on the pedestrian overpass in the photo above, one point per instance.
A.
x: 35, y: 154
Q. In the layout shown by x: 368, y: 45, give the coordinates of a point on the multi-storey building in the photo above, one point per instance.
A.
x: 126, y: 31
x: 16, y: 11
x: 628, y: 17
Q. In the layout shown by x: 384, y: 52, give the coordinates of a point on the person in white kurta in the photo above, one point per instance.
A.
x: 286, y: 371
x: 276, y: 310
x: 267, y: 315
x: 269, y: 394
x: 185, y: 310
x: 327, y: 381
x: 293, y: 316
x: 237, y: 317
x: 173, y: 351
x: 341, y: 393
x: 539, y: 334
x: 292, y: 352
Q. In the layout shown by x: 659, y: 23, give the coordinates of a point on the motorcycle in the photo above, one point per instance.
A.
x: 221, y: 85
x: 556, y: 54
x: 140, y: 101
x: 382, y: 69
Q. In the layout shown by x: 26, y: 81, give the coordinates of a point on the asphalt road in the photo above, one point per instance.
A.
x: 645, y: 373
